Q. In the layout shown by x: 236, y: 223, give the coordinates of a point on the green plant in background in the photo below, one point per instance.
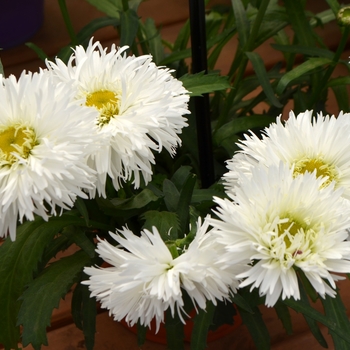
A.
x: 174, y: 198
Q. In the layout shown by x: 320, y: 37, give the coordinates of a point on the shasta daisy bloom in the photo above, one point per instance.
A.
x: 139, y: 109
x: 282, y: 223
x: 305, y: 143
x: 145, y: 279
x: 43, y: 149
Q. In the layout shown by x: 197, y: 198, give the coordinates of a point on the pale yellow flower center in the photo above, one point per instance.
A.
x: 106, y: 102
x: 16, y: 139
x: 322, y: 169
x: 292, y: 227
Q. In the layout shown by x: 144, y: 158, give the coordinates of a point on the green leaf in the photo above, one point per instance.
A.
x: 242, y: 23
x: 259, y: 68
x: 44, y: 294
x: 200, y: 83
x: 303, y: 69
x: 257, y: 328
x: 304, y: 50
x: 166, y: 222
x: 299, y: 22
x: 180, y: 176
x: 154, y: 40
x: 202, y: 322
x: 283, y: 314
x: 18, y: 262
x: 183, y: 37
x: 342, y: 96
x: 139, y: 201
x: 111, y: 8
x: 89, y: 311
x: 40, y: 52
x: 335, y: 310
x: 174, y: 331
x: 176, y: 56
x: 171, y: 195
x: 334, y: 5
x: 241, y: 125
x: 129, y: 25
x: 242, y: 303
x: 308, y: 311
x: 183, y: 205
x: 88, y: 31
x: 81, y: 207
x: 77, y: 235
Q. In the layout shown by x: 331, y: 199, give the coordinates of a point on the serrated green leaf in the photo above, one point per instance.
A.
x: 283, y: 314
x: 89, y: 311
x: 202, y: 322
x: 238, y: 300
x: 44, y: 294
x: 76, y: 305
x: 129, y: 25
x: 18, y: 262
x: 308, y: 311
x: 242, y: 23
x: 77, y: 235
x: 241, y: 125
x: 257, y: 328
x: 200, y: 83
x: 335, y: 310
x: 303, y: 69
x: 259, y: 68
x: 166, y: 222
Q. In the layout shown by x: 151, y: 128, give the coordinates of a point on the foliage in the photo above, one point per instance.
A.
x: 30, y: 281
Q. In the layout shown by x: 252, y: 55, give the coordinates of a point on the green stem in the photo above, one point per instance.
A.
x: 68, y: 22
x: 323, y: 84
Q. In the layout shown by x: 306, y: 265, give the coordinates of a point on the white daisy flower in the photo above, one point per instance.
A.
x: 307, y: 143
x: 43, y: 149
x: 145, y: 280
x: 282, y: 223
x: 139, y: 109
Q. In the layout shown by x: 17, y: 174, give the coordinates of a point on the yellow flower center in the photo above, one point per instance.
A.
x: 106, y: 102
x: 322, y: 169
x: 16, y: 140
x: 292, y: 227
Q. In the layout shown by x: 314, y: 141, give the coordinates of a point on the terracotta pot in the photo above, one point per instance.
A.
x: 19, y: 20
x: 160, y: 337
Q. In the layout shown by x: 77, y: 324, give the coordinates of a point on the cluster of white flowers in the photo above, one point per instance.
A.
x: 64, y: 129
x: 288, y: 208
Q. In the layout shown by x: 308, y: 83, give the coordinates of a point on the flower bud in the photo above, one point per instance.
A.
x: 344, y: 16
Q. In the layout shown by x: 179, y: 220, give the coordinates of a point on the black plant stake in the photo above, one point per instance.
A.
x: 201, y: 104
